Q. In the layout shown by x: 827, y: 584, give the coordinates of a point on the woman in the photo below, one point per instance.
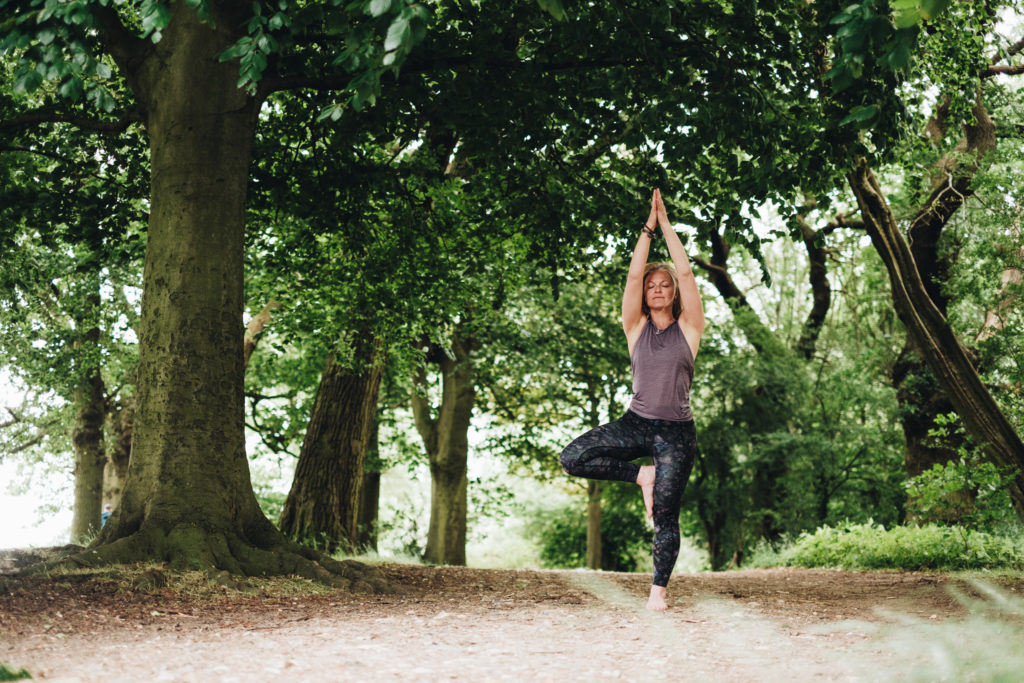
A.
x: 663, y: 319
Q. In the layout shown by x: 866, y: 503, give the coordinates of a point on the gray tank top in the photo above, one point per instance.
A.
x: 662, y: 372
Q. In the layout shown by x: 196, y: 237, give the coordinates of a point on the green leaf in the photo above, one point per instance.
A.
x: 907, y: 18
x: 71, y: 88
x: 899, y: 58
x: 242, y: 47
x: 28, y: 82
x: 277, y: 21
x: 398, y: 34
x: 932, y: 8
x: 554, y: 8
x: 46, y: 35
x: 378, y: 7
x: 860, y: 114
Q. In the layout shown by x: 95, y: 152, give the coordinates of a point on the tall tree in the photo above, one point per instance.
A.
x: 183, y: 64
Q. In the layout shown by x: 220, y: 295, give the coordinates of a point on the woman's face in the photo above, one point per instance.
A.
x: 659, y: 290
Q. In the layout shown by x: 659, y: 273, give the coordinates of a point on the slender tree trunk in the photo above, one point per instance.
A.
x: 90, y: 457
x: 934, y: 339
x: 447, y: 443
x: 119, y: 423
x: 594, y: 490
x: 594, y: 487
x: 369, y: 496
x: 323, y: 503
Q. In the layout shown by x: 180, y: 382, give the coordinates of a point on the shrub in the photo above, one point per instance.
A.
x: 871, y: 546
x: 624, y: 536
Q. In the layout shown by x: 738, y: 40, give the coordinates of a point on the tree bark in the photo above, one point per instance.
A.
x: 90, y: 457
x: 445, y: 437
x: 323, y: 503
x: 119, y: 422
x: 594, y: 489
x: 934, y: 339
x: 369, y: 496
x: 821, y: 290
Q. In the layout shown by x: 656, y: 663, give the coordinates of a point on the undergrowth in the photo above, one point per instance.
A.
x: 985, y: 646
x: 871, y: 546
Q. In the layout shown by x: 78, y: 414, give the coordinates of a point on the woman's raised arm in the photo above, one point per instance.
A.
x: 692, y: 318
x: 632, y: 296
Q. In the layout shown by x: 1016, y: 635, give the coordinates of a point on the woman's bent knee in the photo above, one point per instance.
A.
x: 569, y: 459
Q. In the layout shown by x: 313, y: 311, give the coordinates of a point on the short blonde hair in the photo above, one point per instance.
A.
x: 665, y: 267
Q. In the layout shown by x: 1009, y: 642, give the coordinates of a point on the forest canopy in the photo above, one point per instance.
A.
x: 362, y: 238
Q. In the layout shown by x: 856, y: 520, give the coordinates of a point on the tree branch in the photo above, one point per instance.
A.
x: 37, y: 117
x: 821, y: 291
x: 425, y: 424
x: 255, y: 328
x: 1004, y: 69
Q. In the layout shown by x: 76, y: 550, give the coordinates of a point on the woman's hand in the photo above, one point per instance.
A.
x: 652, y: 218
x: 661, y: 214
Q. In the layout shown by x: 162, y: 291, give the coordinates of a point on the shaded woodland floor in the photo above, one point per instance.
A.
x: 483, y: 624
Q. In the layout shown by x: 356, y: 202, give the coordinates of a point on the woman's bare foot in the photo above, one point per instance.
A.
x: 657, y: 599
x: 645, y: 480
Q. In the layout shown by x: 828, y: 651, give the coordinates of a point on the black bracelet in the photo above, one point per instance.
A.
x: 648, y: 231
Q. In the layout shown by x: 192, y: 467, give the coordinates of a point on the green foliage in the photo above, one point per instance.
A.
x: 625, y: 534
x: 967, y: 492
x: 789, y: 444
x: 872, y: 546
x: 9, y: 673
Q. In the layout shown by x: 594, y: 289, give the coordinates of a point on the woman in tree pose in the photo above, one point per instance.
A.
x: 663, y: 319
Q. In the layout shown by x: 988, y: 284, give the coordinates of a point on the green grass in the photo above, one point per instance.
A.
x: 8, y: 673
x: 985, y: 646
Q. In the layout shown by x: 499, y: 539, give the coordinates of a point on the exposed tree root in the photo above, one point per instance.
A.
x: 192, y: 548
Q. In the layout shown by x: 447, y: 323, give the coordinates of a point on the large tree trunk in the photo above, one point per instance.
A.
x: 90, y: 457
x: 934, y: 339
x: 188, y: 498
x: 446, y: 439
x: 323, y: 503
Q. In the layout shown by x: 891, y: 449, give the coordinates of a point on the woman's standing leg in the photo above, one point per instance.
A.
x: 675, y: 449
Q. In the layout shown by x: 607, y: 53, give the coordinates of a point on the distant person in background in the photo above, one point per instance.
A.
x: 663, y: 318
x: 107, y: 510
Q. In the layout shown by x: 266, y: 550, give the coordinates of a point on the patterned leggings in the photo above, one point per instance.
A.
x: 605, y: 453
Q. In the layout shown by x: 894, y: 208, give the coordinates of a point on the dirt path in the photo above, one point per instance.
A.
x: 469, y: 624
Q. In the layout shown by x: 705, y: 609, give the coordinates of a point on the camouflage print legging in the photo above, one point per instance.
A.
x: 606, y: 453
